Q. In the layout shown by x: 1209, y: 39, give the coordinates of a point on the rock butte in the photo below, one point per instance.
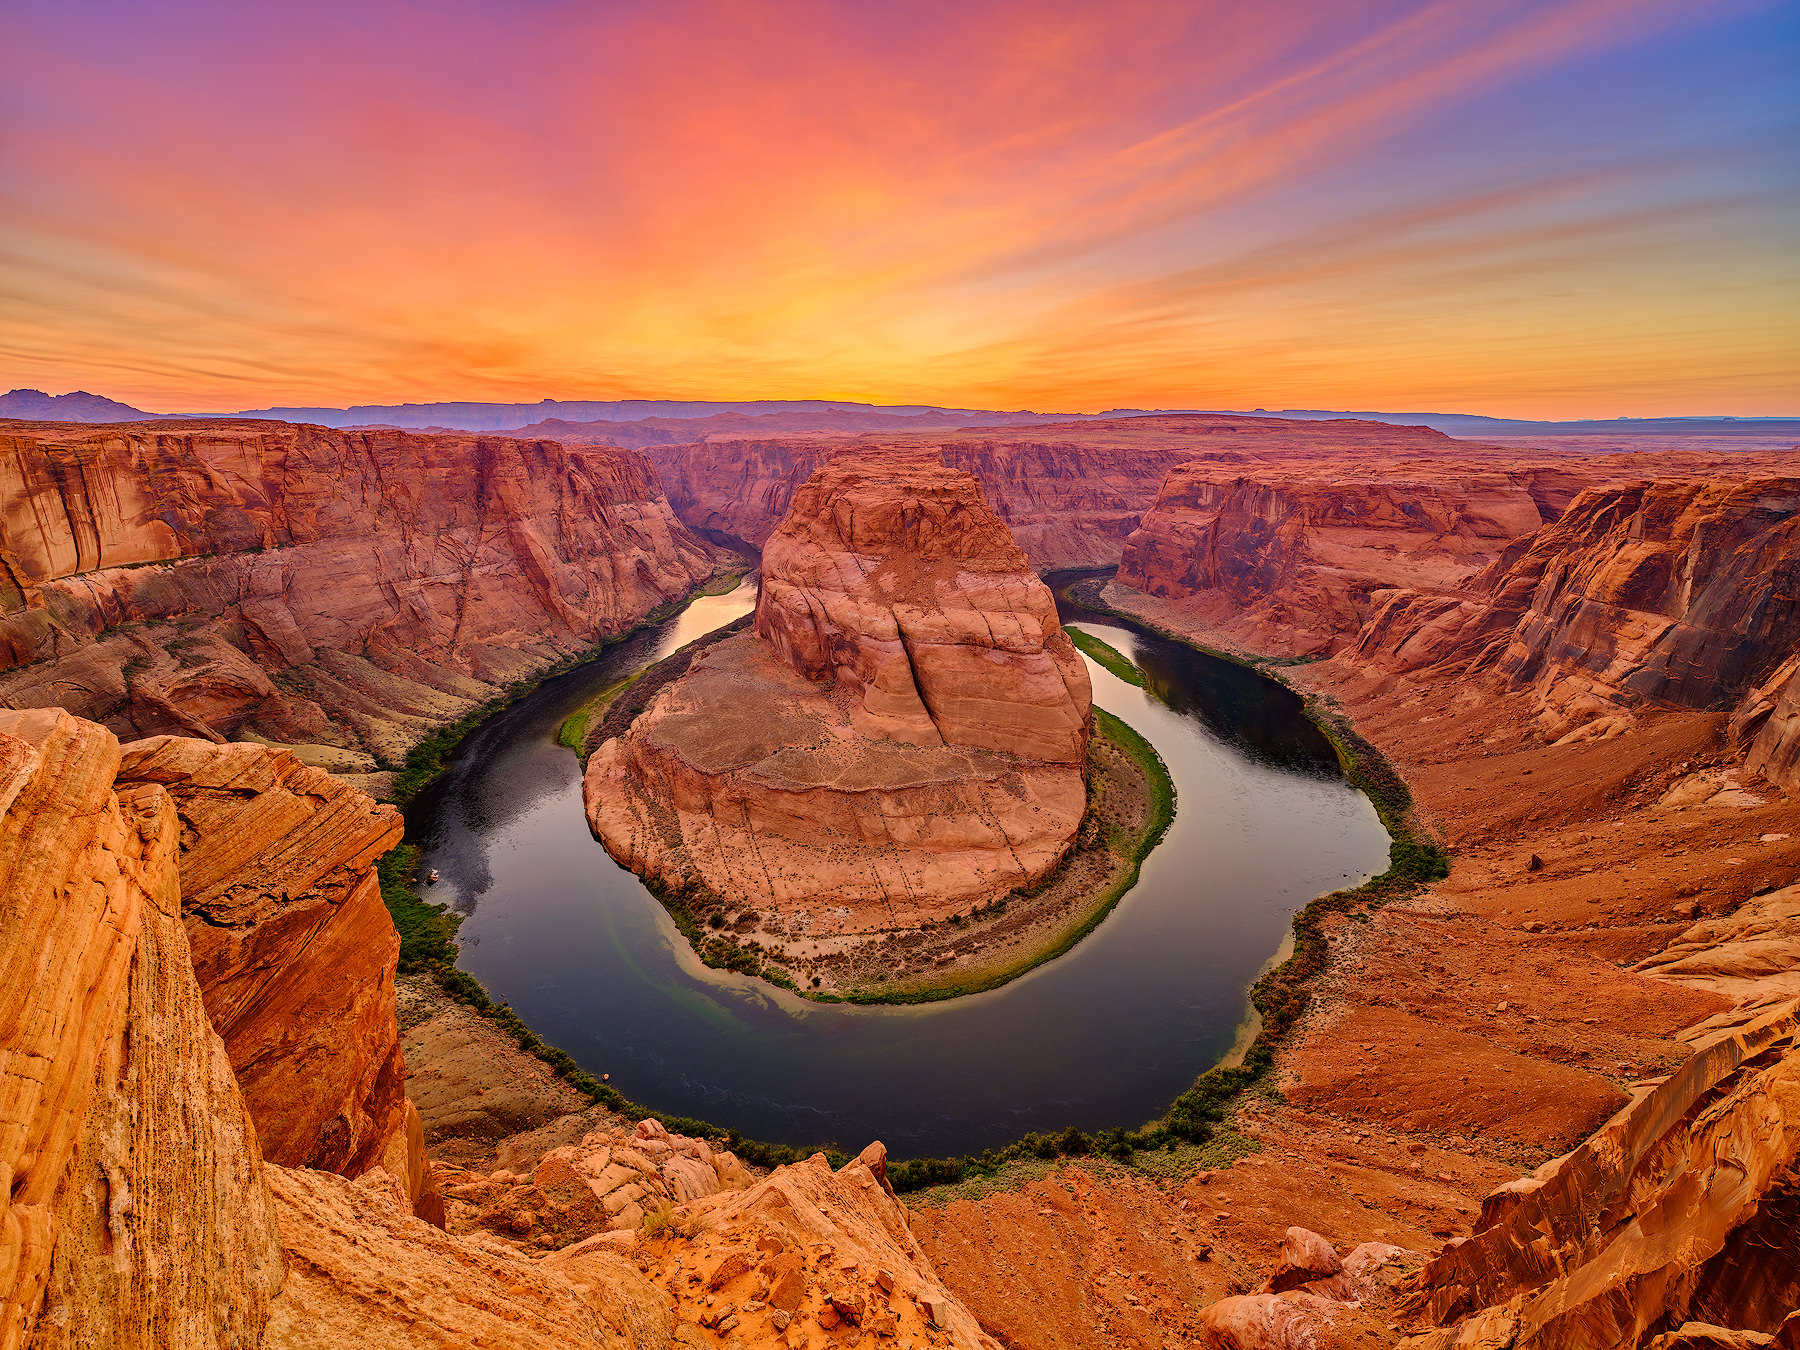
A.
x: 904, y: 732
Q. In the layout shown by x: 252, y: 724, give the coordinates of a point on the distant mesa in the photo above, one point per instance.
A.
x: 903, y: 734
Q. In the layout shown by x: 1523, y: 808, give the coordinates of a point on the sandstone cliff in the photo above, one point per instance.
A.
x: 292, y: 947
x: 1069, y: 496
x: 306, y: 585
x: 1285, y: 559
x: 1686, y: 593
x: 135, y: 1211
x: 905, y: 732
x: 1071, y: 493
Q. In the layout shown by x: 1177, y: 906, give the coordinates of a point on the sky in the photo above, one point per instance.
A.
x: 1533, y: 209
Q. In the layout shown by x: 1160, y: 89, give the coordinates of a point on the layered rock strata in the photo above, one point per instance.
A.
x: 904, y: 732
x: 1071, y: 493
x: 299, y: 584
x: 1666, y: 592
x: 1682, y: 1209
x: 292, y: 947
x: 134, y: 1211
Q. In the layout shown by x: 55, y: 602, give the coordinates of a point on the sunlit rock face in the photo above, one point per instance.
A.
x: 905, y: 730
x: 1680, y: 593
x: 346, y: 588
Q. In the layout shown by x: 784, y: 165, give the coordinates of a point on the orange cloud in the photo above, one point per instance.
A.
x: 1061, y: 206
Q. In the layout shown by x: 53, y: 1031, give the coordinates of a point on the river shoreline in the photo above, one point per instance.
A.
x: 919, y: 1172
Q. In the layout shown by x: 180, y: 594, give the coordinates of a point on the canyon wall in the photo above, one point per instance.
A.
x: 292, y: 946
x: 350, y: 589
x: 1071, y: 493
x: 1284, y: 558
x: 1665, y: 592
x: 1069, y: 501
x: 904, y: 732
x: 135, y: 1211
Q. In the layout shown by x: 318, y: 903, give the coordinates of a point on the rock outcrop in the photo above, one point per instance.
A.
x: 607, y: 1182
x: 293, y: 947
x: 904, y: 733
x: 346, y: 589
x: 1684, y: 593
x: 1683, y: 1208
x: 1285, y: 559
x: 134, y: 1211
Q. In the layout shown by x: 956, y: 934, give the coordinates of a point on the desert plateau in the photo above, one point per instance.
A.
x: 977, y: 677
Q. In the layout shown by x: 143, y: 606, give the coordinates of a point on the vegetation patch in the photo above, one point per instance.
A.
x: 1108, y: 658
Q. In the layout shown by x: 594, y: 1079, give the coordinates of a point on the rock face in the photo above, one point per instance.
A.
x: 1286, y: 559
x: 292, y: 946
x: 1070, y: 495
x: 1681, y: 593
x: 1682, y: 1209
x: 352, y: 589
x: 904, y: 732
x: 135, y: 1212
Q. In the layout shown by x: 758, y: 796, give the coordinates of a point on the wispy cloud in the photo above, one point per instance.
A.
x: 1065, y: 205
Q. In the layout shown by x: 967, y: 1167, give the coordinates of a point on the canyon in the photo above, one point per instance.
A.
x: 904, y: 733
x: 344, y: 593
x: 1548, y: 1100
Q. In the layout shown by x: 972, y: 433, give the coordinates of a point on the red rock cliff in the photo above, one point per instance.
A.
x: 1670, y: 592
x: 1285, y: 558
x: 313, y: 585
x: 905, y: 731
x: 292, y: 947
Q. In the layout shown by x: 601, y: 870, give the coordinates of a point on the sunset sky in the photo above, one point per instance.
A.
x: 1585, y: 208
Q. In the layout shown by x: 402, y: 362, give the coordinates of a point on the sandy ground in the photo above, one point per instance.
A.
x: 1459, y: 1038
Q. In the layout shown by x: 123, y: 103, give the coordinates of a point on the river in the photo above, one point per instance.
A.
x: 1105, y: 1035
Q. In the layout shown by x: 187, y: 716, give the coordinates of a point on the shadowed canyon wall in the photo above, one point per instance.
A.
x: 1684, y: 594
x: 352, y: 589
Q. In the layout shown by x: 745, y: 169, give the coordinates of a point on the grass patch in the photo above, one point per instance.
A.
x: 1109, y: 659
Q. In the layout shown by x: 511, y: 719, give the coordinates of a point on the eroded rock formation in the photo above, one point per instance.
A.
x: 292, y: 946
x: 350, y: 589
x: 134, y: 1211
x: 1684, y: 593
x: 1683, y: 1208
x: 904, y: 732
x: 1285, y: 559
